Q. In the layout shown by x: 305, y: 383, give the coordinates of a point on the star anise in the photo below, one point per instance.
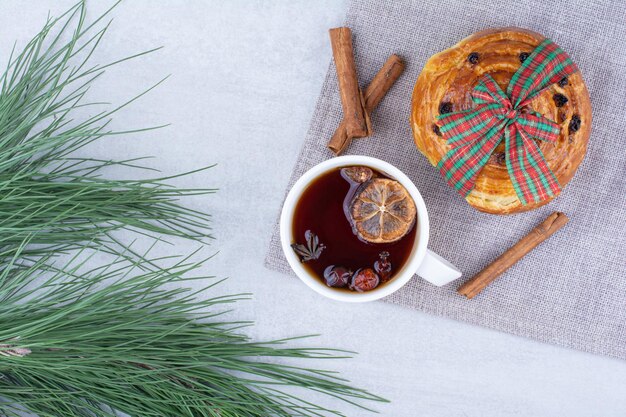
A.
x: 312, y: 250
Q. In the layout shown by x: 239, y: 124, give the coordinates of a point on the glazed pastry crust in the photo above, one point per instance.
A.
x: 449, y: 76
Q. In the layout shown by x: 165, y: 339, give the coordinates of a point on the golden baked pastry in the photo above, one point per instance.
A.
x: 446, y: 83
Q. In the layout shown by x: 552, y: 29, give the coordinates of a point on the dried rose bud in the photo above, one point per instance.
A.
x: 383, y: 266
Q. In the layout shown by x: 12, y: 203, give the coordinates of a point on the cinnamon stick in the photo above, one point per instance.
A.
x: 374, y: 93
x: 547, y: 228
x: 357, y: 121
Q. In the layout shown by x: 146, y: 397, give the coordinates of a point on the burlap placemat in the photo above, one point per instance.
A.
x: 571, y: 291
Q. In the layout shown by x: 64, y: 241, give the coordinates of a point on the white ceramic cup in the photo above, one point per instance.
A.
x: 422, y: 261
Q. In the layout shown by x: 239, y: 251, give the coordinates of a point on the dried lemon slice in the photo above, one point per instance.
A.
x: 382, y: 211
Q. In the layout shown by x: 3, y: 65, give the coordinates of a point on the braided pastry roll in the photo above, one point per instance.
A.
x: 445, y: 85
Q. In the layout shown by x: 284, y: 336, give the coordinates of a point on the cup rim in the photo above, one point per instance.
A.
x: 416, y: 256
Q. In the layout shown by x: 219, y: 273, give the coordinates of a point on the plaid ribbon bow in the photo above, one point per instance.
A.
x: 474, y: 134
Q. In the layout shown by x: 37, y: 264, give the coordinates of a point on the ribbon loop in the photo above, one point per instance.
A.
x: 474, y: 134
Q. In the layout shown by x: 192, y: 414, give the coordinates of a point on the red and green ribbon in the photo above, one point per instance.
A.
x: 474, y: 134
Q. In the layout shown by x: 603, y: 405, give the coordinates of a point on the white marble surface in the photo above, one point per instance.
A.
x: 245, y: 78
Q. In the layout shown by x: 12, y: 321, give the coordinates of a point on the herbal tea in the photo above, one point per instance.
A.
x: 354, y: 228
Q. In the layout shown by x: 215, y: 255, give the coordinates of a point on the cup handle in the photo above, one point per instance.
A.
x: 437, y: 270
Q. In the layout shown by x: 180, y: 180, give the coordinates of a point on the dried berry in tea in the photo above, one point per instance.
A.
x: 364, y: 279
x: 473, y: 58
x: 337, y: 276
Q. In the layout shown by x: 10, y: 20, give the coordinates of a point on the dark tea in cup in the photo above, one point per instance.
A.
x: 354, y: 228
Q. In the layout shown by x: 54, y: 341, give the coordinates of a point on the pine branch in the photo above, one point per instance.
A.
x: 84, y: 343
x: 57, y: 200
